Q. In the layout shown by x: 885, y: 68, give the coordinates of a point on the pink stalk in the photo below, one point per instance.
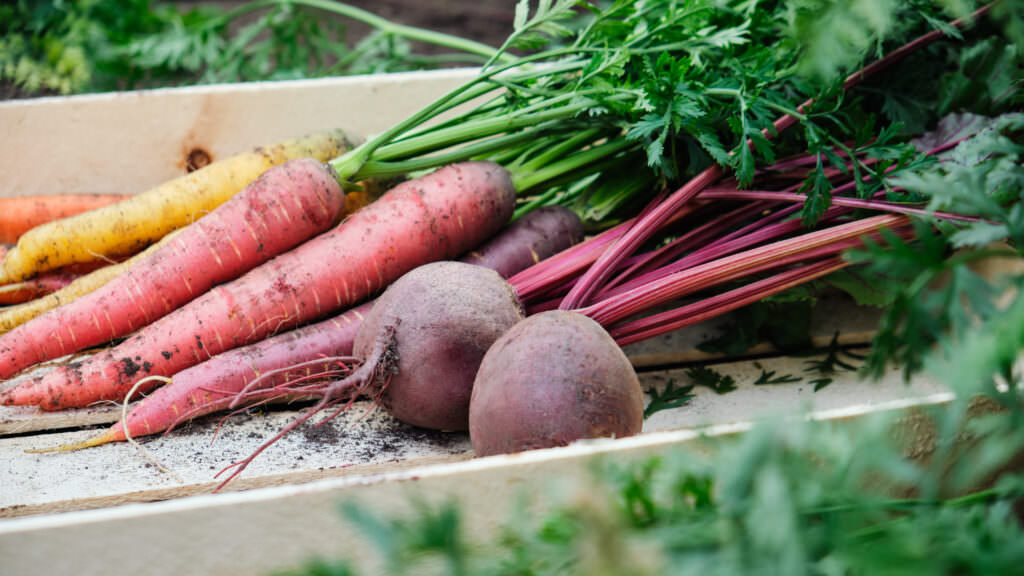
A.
x: 539, y: 278
x: 640, y: 232
x: 563, y: 267
x: 553, y: 297
x: 879, y: 205
x: 615, y: 308
x: 800, y: 161
x: 719, y: 249
x: 645, y: 227
x: 699, y: 236
x: 665, y: 322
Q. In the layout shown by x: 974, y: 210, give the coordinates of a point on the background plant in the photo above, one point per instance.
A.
x: 75, y: 46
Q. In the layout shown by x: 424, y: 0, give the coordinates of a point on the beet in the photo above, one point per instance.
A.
x: 425, y: 337
x: 554, y: 378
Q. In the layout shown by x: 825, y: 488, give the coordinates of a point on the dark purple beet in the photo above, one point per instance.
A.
x: 425, y: 336
x: 554, y: 378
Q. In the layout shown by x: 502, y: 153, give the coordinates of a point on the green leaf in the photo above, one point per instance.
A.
x: 865, y: 286
x: 671, y: 397
x: 710, y: 378
x: 768, y: 378
x: 818, y: 189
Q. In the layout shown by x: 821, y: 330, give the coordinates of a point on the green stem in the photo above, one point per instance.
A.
x: 381, y: 169
x: 460, y: 133
x: 360, y: 15
x: 348, y: 164
x: 482, y: 89
x: 535, y: 203
x: 734, y: 93
x: 528, y: 179
x: 565, y: 147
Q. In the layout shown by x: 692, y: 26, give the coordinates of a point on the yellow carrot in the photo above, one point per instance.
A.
x: 127, y: 227
x: 13, y: 316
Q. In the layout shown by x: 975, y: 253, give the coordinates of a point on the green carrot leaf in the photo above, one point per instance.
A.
x: 670, y: 397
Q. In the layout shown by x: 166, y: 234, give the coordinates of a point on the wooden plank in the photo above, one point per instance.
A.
x: 127, y: 142
x: 265, y: 530
x: 356, y: 445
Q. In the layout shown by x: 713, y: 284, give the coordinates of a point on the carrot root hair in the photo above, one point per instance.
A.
x: 372, y: 375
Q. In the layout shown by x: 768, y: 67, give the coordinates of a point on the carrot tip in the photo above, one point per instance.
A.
x: 99, y: 440
x: 13, y: 287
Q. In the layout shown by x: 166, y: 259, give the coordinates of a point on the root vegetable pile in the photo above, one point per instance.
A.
x: 438, y: 216
x: 261, y: 368
x: 283, y: 208
x: 713, y: 159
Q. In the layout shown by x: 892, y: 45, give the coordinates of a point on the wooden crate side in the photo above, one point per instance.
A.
x: 278, y: 528
x: 128, y: 142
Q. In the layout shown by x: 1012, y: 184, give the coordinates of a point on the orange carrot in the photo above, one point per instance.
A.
x: 284, y: 207
x: 435, y: 217
x: 22, y: 213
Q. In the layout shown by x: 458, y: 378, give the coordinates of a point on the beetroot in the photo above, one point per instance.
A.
x: 554, y: 378
x: 426, y: 335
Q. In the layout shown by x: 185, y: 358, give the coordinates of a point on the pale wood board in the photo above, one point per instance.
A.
x: 354, y: 443
x: 130, y: 141
x: 268, y: 529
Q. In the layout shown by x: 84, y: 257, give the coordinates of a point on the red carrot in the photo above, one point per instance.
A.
x: 286, y: 206
x: 438, y: 216
x: 21, y: 292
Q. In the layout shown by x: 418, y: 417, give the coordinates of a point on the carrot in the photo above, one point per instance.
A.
x: 22, y: 213
x: 14, y: 316
x: 126, y: 227
x: 435, y: 217
x: 284, y: 207
x: 213, y: 385
x: 21, y: 292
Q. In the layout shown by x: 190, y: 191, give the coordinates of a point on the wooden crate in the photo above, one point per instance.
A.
x: 112, y: 507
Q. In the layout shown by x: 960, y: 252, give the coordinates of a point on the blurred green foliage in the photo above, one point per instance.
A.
x: 65, y: 46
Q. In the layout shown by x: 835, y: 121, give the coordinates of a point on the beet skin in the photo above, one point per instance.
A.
x: 428, y: 333
x: 554, y: 378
